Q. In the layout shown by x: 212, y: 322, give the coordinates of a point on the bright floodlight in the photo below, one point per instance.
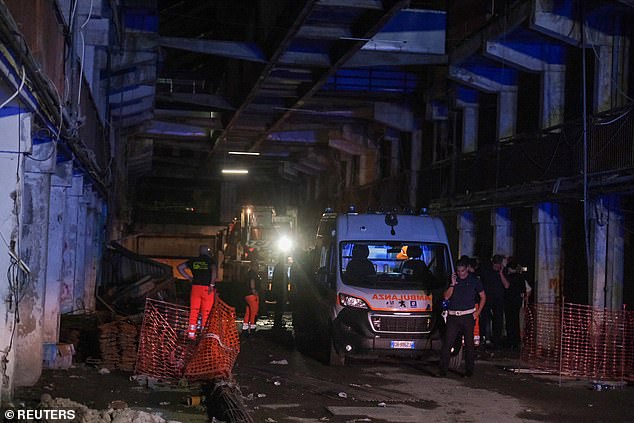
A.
x: 235, y: 171
x: 284, y: 244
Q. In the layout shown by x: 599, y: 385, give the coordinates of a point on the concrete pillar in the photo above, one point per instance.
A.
x: 416, y: 151
x: 606, y: 254
x: 395, y: 157
x: 33, y: 247
x: 69, y: 253
x: 547, y: 253
x: 553, y: 85
x: 11, y: 175
x: 507, y: 113
x: 466, y: 234
x: 91, y: 256
x: 470, y: 116
x: 611, y: 66
x: 79, y: 284
x: 367, y: 167
x: 502, y: 231
x: 546, y: 58
x: 60, y: 181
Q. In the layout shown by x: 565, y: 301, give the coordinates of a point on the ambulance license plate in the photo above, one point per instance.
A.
x: 402, y: 345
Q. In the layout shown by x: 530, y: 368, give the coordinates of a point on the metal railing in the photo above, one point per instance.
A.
x: 539, y: 157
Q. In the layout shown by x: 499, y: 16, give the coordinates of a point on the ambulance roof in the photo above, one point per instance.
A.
x: 421, y: 228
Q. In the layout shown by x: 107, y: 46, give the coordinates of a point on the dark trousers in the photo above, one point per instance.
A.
x: 492, y: 317
x: 458, y: 326
x: 512, y: 316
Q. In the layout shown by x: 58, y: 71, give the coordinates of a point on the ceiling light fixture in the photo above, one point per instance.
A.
x: 243, y: 153
x: 235, y: 171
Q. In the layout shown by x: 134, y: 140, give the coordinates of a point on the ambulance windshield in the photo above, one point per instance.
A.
x: 402, y: 265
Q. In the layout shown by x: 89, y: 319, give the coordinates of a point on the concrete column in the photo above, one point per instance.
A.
x: 606, y: 254
x: 60, y: 181
x: 507, y: 113
x: 466, y: 234
x: 11, y: 175
x: 33, y: 248
x: 552, y: 102
x: 611, y: 74
x: 416, y: 150
x: 547, y: 253
x: 470, y: 116
x: 80, y: 281
x: 367, y: 167
x: 395, y: 157
x: 91, y: 247
x: 69, y: 253
x: 502, y: 231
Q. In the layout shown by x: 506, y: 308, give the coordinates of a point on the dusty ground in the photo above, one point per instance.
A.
x: 278, y: 384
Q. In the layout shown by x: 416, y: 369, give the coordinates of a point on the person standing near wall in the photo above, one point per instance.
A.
x: 495, y: 283
x: 252, y: 281
x: 202, y: 273
x: 513, y: 299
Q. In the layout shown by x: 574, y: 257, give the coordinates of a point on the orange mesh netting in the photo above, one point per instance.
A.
x: 166, y: 353
x: 580, y: 340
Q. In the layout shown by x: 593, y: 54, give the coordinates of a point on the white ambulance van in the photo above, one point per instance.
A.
x: 362, y: 294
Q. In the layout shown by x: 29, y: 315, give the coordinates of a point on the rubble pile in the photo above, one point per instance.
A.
x: 118, y: 342
x: 110, y: 415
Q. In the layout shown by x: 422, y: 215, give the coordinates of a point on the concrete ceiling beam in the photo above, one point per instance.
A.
x: 176, y: 129
x: 207, y: 100
x: 366, y: 58
x: 521, y: 60
x: 231, y: 49
x: 472, y: 79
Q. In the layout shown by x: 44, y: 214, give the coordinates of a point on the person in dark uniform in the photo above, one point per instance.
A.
x: 250, y: 290
x: 359, y: 265
x: 495, y: 283
x: 462, y: 314
x: 513, y: 299
x: 202, y: 273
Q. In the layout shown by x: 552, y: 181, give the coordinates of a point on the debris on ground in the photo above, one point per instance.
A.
x: 279, y: 362
x: 88, y: 415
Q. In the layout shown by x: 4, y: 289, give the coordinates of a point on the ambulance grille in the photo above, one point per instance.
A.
x: 400, y: 324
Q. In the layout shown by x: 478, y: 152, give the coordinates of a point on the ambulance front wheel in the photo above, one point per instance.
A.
x: 456, y: 356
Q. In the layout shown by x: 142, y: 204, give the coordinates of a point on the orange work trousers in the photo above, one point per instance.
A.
x: 200, y: 301
x: 253, y: 305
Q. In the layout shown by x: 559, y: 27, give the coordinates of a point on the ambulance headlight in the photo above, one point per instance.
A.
x: 285, y: 244
x: 350, y: 301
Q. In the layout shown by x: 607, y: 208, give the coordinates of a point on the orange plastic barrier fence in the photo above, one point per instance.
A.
x: 166, y: 353
x: 580, y: 340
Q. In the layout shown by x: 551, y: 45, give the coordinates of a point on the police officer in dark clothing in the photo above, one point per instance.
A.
x: 495, y: 283
x: 462, y: 314
x: 513, y: 303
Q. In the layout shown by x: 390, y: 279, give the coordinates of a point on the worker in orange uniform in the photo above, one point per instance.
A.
x: 203, y: 271
x: 251, y: 298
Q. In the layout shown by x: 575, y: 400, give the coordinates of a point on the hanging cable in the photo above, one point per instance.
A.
x: 15, y: 94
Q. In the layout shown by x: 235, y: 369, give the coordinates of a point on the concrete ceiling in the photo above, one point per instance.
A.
x: 281, y: 78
